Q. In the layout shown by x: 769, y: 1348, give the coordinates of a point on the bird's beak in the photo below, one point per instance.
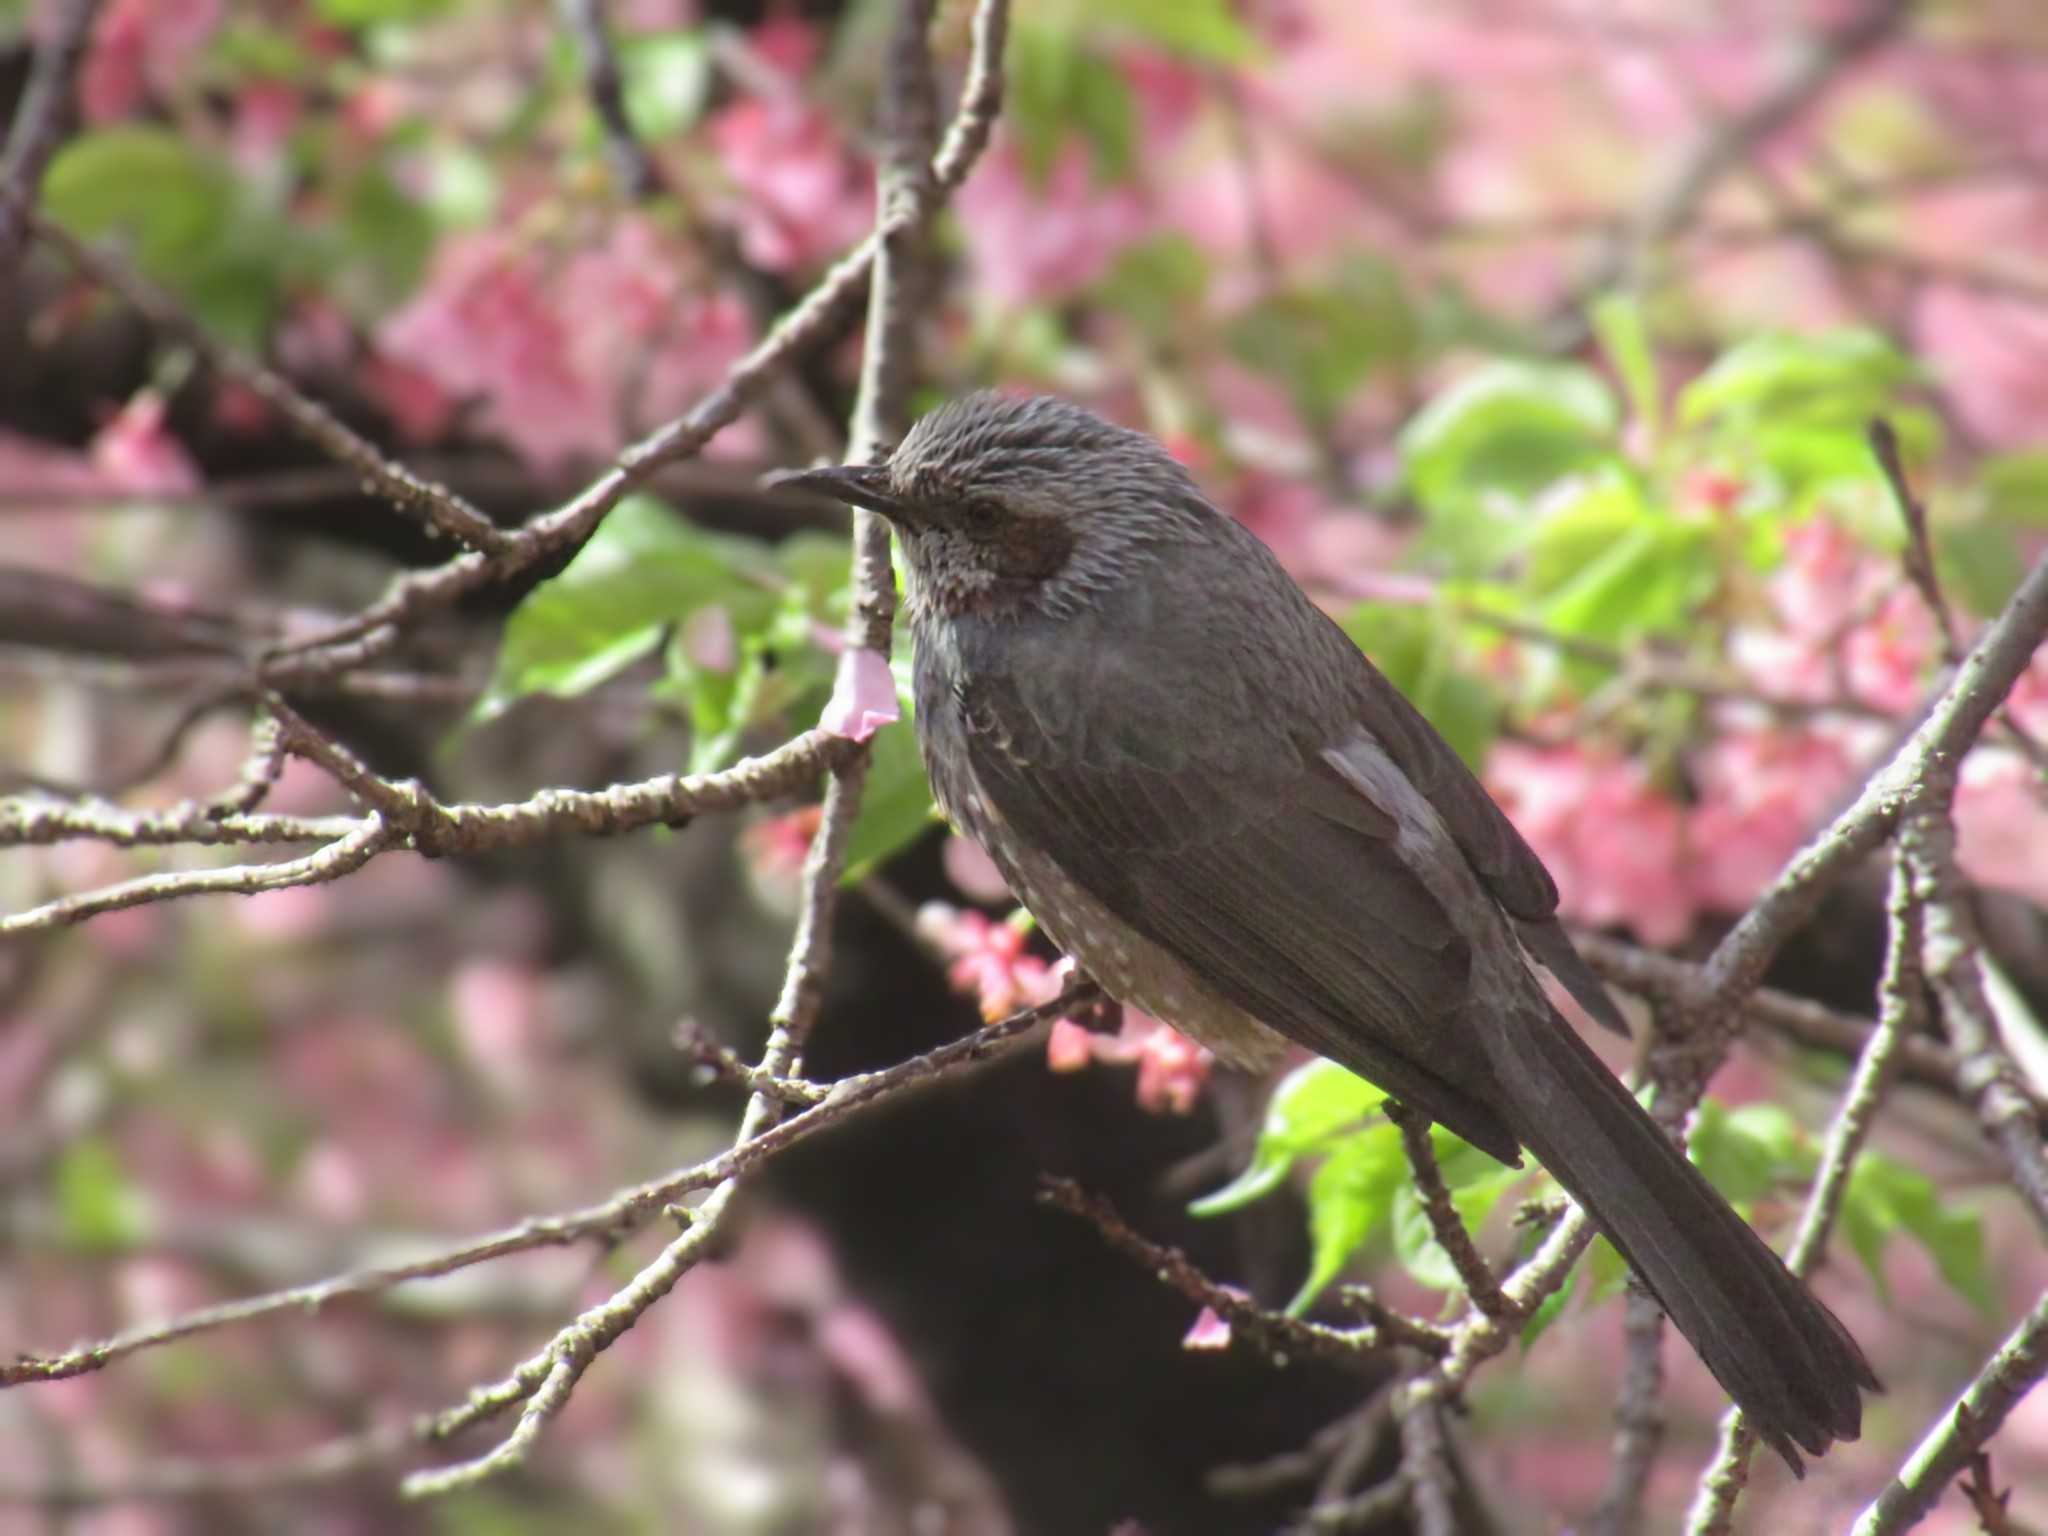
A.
x: 859, y: 485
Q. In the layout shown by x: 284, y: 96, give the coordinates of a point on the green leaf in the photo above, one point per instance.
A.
x: 642, y: 569
x: 1322, y: 343
x: 1832, y: 378
x: 665, y: 80
x: 1747, y: 1152
x: 1504, y: 433
x: 1609, y: 568
x: 1607, y: 1270
x: 98, y: 1209
x: 1202, y: 29
x: 1885, y: 1196
x: 387, y: 239
x: 1059, y: 86
x: 897, y: 807
x: 1349, y: 1197
x: 1158, y: 284
x: 1548, y: 1311
x: 183, y: 217
x: 2013, y: 488
x: 1416, y: 648
x: 1624, y: 338
x: 1310, y: 1105
x: 1979, y: 563
x: 372, y: 13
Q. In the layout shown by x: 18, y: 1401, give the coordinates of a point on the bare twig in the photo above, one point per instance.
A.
x: 547, y: 1379
x: 1901, y: 1011
x: 1638, y: 1418
x: 1425, y: 1463
x: 608, y: 1221
x: 2011, y: 1372
x: 638, y: 176
x: 1273, y: 1334
x: 39, y: 124
x: 1804, y: 76
x: 344, y: 857
x: 812, y: 323
x: 434, y: 505
x: 1444, y: 1220
x: 1985, y: 1074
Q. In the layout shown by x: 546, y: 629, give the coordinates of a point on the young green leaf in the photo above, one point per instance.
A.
x: 1349, y: 1197
x: 1885, y: 1196
x: 642, y: 569
x: 1310, y: 1105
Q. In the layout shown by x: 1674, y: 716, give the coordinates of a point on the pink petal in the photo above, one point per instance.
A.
x: 1069, y: 1048
x: 863, y: 696
x: 1209, y: 1331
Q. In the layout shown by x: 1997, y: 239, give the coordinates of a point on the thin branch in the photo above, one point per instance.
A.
x: 2009, y: 1375
x: 437, y: 507
x: 813, y: 323
x: 1985, y: 1074
x: 39, y: 125
x: 1638, y: 1418
x: 1976, y: 689
x: 1902, y: 1011
x: 611, y: 1220
x: 638, y: 176
x: 1274, y: 1334
x: 343, y: 857
x: 1685, y: 984
x: 1804, y: 76
x: 1425, y: 1462
x: 1920, y: 569
x: 1444, y: 1221
x: 547, y: 1379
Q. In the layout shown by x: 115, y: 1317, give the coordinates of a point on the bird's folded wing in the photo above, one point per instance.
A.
x: 1274, y: 882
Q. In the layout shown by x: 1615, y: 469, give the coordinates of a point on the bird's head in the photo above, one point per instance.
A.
x: 1006, y: 503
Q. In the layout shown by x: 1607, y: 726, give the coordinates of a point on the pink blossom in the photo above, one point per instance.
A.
x: 973, y: 872
x: 863, y: 695
x: 779, y: 844
x: 1172, y: 1069
x: 138, y: 46
x: 136, y: 451
x: 1991, y: 353
x: 1208, y: 1331
x: 787, y: 44
x: 496, y: 1009
x: 1611, y: 839
x: 265, y: 114
x: 550, y: 345
x: 2002, y: 823
x: 409, y: 397
x: 1033, y: 241
x: 1886, y: 660
x: 988, y: 959
x: 802, y: 196
x: 1069, y: 1047
x: 486, y: 324
x: 1763, y: 793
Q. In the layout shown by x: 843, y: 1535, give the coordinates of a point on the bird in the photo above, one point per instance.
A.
x: 1209, y: 797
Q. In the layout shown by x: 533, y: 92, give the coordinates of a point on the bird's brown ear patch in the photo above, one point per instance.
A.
x: 1031, y: 548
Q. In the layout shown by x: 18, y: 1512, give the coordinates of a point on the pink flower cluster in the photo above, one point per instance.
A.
x: 1843, y: 630
x: 565, y: 354
x: 989, y: 961
x: 1172, y: 1069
